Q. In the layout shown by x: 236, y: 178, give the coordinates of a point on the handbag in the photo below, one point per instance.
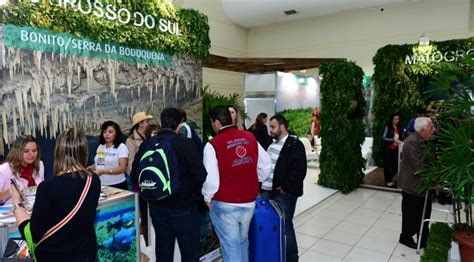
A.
x: 29, y: 239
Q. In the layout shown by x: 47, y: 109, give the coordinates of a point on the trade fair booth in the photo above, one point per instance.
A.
x: 77, y: 65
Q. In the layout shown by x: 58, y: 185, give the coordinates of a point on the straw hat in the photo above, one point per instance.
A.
x: 140, y: 116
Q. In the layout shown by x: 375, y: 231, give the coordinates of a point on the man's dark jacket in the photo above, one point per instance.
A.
x: 290, y: 168
x: 191, y: 170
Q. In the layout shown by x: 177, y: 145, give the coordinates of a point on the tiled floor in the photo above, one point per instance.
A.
x: 313, y: 193
x: 361, y: 226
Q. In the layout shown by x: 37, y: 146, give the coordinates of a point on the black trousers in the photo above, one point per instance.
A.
x: 412, y: 212
x: 390, y: 164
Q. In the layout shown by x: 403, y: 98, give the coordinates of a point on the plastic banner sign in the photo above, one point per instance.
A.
x: 63, y: 43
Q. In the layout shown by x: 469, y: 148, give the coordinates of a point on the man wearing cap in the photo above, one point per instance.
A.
x: 138, y: 133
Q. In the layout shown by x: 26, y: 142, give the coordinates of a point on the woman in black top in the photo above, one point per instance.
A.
x: 56, y: 197
x: 260, y: 131
x: 392, y: 137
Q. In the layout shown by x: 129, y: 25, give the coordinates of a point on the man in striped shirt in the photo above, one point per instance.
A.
x: 289, y: 167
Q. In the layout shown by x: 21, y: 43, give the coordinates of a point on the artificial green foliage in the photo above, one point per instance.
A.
x: 400, y: 87
x: 194, y: 26
x: 299, y: 121
x: 449, y: 158
x: 396, y: 90
x: 342, y: 128
x: 210, y: 99
x: 439, y: 243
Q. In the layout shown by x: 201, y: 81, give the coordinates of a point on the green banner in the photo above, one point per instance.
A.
x: 64, y: 43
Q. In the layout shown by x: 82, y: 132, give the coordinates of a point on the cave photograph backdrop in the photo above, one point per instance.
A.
x: 61, y: 66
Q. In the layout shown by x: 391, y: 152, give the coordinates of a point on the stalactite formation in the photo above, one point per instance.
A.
x: 45, y: 93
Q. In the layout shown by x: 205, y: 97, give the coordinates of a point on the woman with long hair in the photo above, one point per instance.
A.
x: 392, y: 137
x: 67, y: 201
x: 235, y: 115
x: 23, y: 165
x: 111, y: 159
x: 260, y: 130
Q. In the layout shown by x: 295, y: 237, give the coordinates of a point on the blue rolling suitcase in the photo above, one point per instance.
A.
x: 267, y: 232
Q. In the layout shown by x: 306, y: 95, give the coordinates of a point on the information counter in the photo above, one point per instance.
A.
x: 116, y: 225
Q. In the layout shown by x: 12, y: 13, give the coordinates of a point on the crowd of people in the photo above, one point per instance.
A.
x: 226, y: 174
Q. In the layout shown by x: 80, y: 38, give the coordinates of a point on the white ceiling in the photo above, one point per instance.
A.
x: 251, y: 13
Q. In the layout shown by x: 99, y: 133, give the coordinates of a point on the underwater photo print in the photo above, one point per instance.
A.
x: 116, y: 232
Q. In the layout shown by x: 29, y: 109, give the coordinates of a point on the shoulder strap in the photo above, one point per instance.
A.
x: 29, y: 240
x: 71, y: 214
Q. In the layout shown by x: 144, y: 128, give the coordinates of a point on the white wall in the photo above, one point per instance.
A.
x: 357, y: 35
x: 227, y: 39
x: 260, y: 96
x: 260, y: 83
x: 354, y: 35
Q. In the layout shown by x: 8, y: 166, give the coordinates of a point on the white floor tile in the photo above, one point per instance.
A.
x: 343, y: 237
x: 343, y: 207
x: 377, y: 204
x: 394, y: 216
x: 301, y: 251
x: 302, y: 218
x: 400, y: 259
x: 353, y: 228
x: 393, y: 209
x: 364, y: 255
x: 386, y: 195
x: 383, y: 233
x: 358, y: 219
x: 443, y: 216
x: 333, y: 214
x: 331, y: 248
x: 311, y: 256
x: 313, y: 193
x: 377, y: 245
x: 389, y: 224
x: 406, y: 252
x: 367, y: 212
x: 317, y: 227
x: 361, y: 194
x: 305, y: 241
x: 398, y: 201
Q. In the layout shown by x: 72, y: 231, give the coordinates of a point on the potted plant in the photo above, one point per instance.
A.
x: 449, y: 158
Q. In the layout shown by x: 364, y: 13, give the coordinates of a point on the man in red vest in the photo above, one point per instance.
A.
x: 235, y: 163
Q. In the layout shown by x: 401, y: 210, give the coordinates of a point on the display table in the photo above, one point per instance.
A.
x: 116, y: 225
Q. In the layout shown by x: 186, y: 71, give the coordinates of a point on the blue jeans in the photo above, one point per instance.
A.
x: 288, y: 203
x: 176, y: 223
x: 232, y: 228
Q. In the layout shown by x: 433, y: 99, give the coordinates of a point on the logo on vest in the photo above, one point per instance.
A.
x: 240, y: 151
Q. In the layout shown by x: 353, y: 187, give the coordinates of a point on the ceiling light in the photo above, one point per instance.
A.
x: 290, y: 12
x: 424, y: 40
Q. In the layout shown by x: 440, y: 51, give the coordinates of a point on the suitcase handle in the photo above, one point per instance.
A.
x: 262, y: 201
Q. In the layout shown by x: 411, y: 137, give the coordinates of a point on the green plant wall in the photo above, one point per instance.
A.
x: 299, y: 121
x: 210, y: 99
x: 194, y: 26
x: 342, y: 128
x: 399, y: 86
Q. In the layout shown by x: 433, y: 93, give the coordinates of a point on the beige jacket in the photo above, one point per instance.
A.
x: 133, y: 143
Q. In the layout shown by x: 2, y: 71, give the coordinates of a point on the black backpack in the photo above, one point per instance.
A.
x: 159, y: 175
